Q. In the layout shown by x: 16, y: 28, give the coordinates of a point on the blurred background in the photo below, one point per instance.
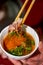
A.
x: 9, y: 10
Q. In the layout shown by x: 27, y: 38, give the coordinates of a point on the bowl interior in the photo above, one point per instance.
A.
x: 30, y: 31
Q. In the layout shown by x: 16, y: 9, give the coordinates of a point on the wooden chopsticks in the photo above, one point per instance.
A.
x: 28, y: 11
x: 21, y: 10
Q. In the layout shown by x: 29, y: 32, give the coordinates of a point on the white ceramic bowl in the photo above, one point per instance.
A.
x: 30, y: 31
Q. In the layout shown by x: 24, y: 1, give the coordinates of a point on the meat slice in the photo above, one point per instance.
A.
x: 15, y: 25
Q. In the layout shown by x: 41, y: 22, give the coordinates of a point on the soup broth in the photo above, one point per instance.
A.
x: 19, y: 44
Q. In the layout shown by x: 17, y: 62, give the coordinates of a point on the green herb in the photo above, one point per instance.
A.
x: 28, y: 48
x: 13, y: 33
x: 28, y: 42
x: 17, y: 51
x: 32, y: 42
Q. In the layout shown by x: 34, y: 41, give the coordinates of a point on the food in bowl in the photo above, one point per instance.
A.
x: 29, y: 31
x: 19, y: 43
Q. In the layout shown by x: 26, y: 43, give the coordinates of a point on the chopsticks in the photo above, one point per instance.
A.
x: 21, y: 10
x: 28, y: 10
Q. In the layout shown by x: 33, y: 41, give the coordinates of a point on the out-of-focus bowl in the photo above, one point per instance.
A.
x: 30, y: 31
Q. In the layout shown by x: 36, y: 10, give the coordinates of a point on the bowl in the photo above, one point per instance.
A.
x: 31, y: 31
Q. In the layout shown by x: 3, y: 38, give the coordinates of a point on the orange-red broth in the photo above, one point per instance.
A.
x: 19, y: 44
